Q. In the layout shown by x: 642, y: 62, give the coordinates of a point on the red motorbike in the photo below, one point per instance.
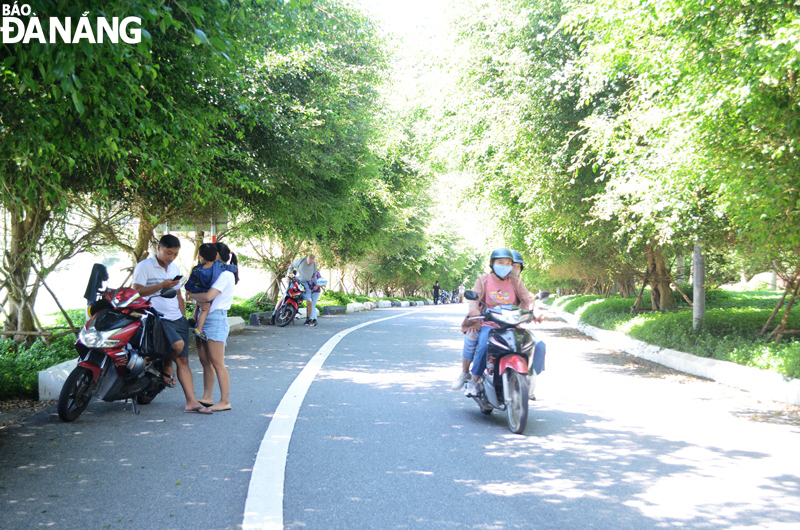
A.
x: 508, y: 357
x: 287, y: 307
x: 112, y: 365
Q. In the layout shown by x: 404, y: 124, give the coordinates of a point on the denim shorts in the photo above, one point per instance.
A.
x: 216, y: 327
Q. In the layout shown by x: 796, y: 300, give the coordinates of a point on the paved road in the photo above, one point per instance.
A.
x: 380, y: 442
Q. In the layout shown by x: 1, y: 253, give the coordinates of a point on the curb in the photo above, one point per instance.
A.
x: 761, y: 383
x: 52, y: 379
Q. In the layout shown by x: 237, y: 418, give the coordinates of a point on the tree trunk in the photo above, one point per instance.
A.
x: 661, y: 294
x: 27, y: 226
x: 778, y: 332
x: 699, y: 288
x: 198, y: 240
x: 680, y: 268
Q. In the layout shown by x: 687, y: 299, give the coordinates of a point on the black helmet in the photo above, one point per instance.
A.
x: 501, y: 253
x: 518, y: 259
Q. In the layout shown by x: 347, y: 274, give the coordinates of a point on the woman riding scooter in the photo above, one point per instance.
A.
x: 493, y: 289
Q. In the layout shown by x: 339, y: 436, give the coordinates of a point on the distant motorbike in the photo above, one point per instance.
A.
x: 111, y: 364
x: 505, y: 379
x: 287, y: 307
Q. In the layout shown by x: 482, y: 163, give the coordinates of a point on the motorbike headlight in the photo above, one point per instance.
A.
x: 98, y: 339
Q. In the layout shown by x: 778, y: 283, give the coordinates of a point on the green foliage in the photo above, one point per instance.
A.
x: 335, y: 298
x: 730, y: 332
x: 575, y: 303
x: 20, y: 364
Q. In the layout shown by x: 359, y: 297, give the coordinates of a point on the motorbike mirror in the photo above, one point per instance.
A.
x: 542, y: 295
x: 470, y: 295
x: 166, y: 292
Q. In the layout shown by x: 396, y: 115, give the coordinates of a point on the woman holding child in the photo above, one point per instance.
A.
x: 213, y: 333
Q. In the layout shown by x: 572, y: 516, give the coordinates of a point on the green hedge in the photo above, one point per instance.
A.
x: 20, y: 365
x: 730, y: 332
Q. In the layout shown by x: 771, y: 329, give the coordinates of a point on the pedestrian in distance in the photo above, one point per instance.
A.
x: 216, y: 302
x: 307, y: 271
x: 436, y: 292
x: 150, y: 276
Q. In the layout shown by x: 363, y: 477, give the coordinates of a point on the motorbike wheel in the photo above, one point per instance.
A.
x: 285, y: 315
x: 75, y: 394
x: 517, y: 407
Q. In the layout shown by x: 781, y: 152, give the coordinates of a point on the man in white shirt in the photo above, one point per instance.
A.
x: 151, y: 276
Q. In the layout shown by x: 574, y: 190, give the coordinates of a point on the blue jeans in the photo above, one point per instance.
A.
x: 311, y: 299
x: 479, y: 362
x: 470, y: 344
x: 539, y: 352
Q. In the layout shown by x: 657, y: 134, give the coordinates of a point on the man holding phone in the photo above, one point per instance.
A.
x: 151, y: 276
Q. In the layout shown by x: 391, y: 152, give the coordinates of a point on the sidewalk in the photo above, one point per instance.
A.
x: 762, y: 384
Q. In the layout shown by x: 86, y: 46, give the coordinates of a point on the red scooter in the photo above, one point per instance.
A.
x: 111, y: 364
x: 510, y: 349
x: 287, y: 308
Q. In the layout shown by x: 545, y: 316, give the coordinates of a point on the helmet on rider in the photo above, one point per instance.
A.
x: 518, y: 259
x: 501, y: 271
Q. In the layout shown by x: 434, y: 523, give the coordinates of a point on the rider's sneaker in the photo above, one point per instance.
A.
x: 459, y: 383
x: 313, y: 322
x: 307, y: 322
x: 473, y: 388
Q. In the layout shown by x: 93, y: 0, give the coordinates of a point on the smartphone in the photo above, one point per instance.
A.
x: 178, y: 277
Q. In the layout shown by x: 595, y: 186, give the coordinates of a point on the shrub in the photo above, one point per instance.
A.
x: 578, y: 301
x: 335, y: 298
x: 20, y: 365
x: 609, y: 313
x: 730, y: 331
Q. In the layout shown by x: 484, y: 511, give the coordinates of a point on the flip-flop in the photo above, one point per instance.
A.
x: 228, y: 407
x: 206, y: 403
x: 199, y: 410
x: 169, y: 380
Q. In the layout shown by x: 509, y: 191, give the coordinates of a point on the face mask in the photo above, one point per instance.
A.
x: 501, y: 270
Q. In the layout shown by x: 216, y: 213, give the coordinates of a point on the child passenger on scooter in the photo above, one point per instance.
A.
x: 496, y: 288
x: 203, y: 277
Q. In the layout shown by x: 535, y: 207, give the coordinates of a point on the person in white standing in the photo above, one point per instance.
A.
x: 216, y: 303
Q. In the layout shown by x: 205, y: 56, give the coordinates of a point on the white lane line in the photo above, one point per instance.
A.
x: 264, y: 506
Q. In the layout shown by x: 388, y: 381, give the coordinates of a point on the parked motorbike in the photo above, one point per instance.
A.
x: 505, y: 379
x: 287, y: 307
x: 111, y: 364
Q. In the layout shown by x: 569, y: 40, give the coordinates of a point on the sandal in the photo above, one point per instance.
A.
x: 205, y: 403
x: 169, y: 380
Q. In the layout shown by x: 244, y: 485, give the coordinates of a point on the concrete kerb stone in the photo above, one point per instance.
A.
x: 260, y: 319
x: 52, y: 379
x: 384, y: 304
x: 404, y: 304
x: 370, y: 305
x: 761, y: 383
x: 354, y: 307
